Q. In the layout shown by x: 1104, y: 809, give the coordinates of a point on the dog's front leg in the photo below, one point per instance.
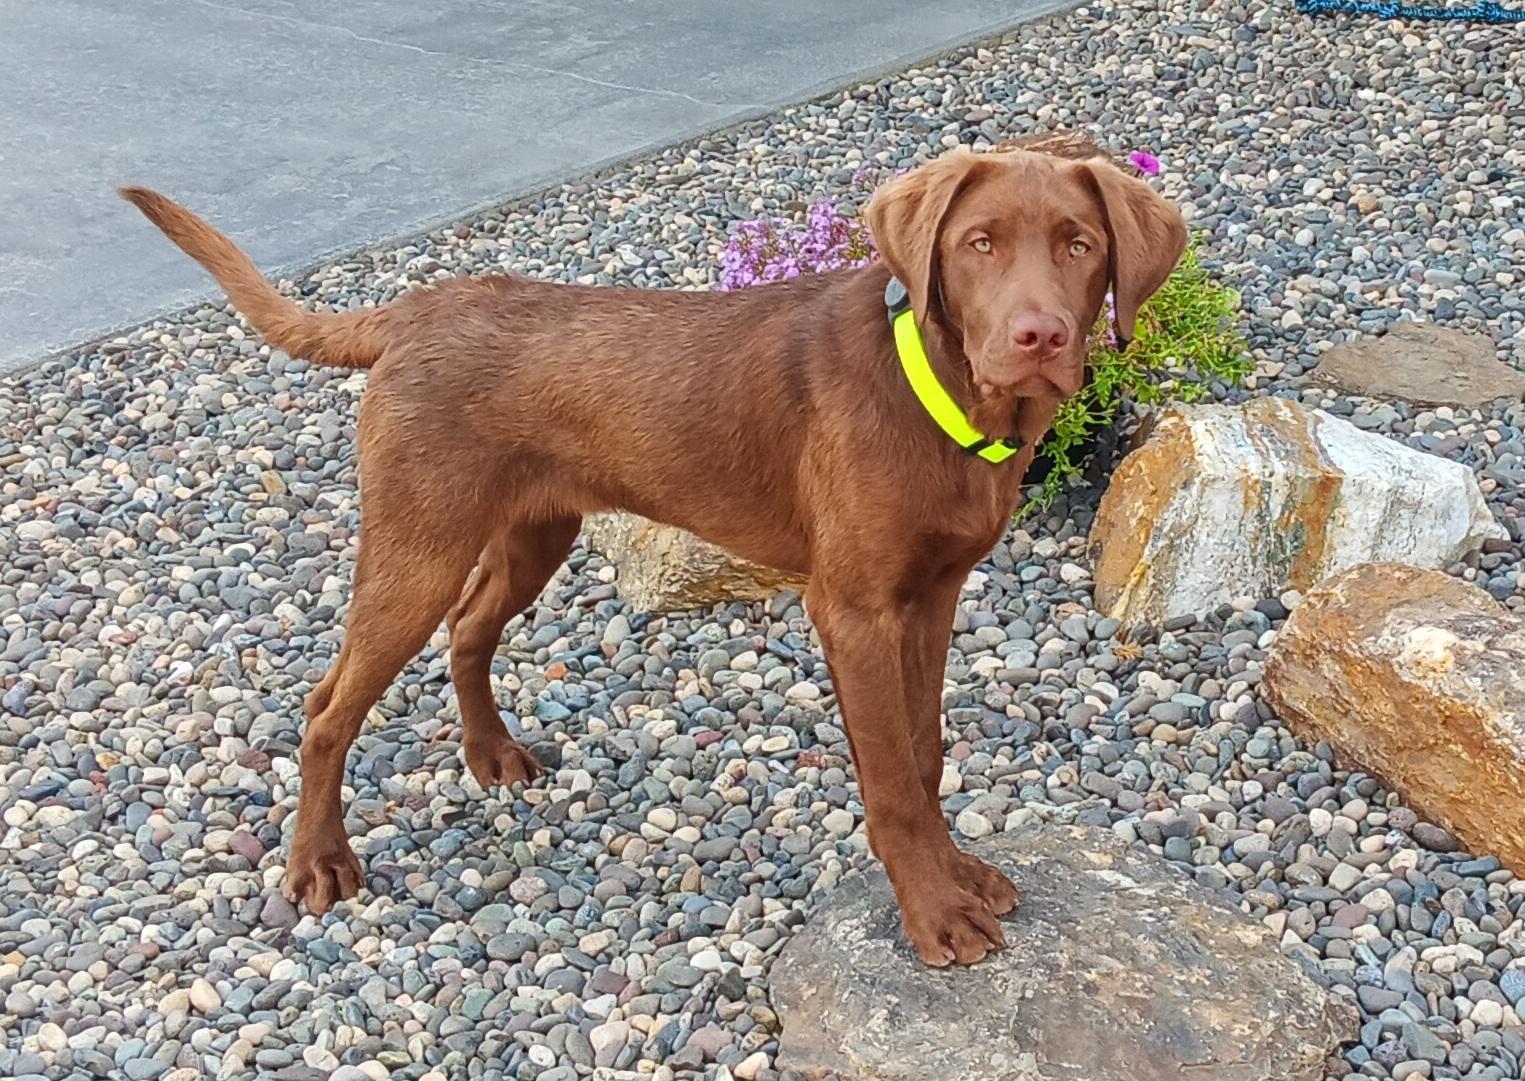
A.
x: 864, y: 632
x: 923, y: 661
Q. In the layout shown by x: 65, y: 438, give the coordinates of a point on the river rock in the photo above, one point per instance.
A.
x: 1414, y: 676
x: 1117, y: 968
x: 1423, y: 364
x: 1221, y: 502
x: 666, y: 569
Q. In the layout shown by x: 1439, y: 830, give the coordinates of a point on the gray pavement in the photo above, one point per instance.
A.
x: 308, y: 129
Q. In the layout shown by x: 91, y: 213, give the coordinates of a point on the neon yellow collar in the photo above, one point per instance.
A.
x: 933, y: 396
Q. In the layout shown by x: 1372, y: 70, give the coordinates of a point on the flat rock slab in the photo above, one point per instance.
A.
x: 1118, y: 969
x: 1423, y: 364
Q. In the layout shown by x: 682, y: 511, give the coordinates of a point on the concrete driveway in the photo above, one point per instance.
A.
x: 308, y: 129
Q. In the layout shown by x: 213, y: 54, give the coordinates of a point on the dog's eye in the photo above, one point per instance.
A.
x: 981, y: 244
x: 1079, y: 247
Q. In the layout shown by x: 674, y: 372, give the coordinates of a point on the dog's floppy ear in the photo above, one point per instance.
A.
x: 1145, y: 238
x: 905, y: 218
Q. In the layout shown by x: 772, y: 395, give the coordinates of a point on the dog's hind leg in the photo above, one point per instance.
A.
x: 418, y: 542
x: 511, y: 572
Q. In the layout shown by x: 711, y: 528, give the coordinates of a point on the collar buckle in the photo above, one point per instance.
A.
x: 896, y: 299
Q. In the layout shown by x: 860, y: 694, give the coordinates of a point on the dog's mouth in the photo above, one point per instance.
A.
x: 1057, y: 378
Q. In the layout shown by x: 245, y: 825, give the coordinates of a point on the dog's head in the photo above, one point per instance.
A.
x: 1013, y: 254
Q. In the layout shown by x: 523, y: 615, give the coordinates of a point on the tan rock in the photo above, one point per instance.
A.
x: 1221, y: 502
x: 1423, y: 364
x: 1117, y: 968
x: 665, y: 569
x: 1415, y: 676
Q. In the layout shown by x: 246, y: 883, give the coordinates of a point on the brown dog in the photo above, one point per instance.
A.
x: 500, y: 411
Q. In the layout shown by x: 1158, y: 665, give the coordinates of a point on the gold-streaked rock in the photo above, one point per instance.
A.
x: 1415, y: 677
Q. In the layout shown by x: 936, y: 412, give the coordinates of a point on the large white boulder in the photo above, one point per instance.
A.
x: 1222, y: 502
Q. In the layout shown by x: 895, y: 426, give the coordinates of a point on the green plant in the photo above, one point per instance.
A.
x: 1186, y: 336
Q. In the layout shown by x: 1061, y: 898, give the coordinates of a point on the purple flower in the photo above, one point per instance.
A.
x: 1146, y: 163
x: 776, y: 249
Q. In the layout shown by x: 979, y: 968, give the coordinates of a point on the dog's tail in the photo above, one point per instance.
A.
x: 347, y: 339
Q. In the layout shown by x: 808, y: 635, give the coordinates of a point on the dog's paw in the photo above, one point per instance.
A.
x: 322, y: 871
x: 949, y: 925
x: 500, y: 760
x: 985, y: 882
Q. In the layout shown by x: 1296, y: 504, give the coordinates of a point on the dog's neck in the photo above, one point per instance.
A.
x: 1006, y: 415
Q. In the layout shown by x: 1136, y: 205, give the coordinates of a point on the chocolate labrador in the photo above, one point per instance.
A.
x: 866, y: 427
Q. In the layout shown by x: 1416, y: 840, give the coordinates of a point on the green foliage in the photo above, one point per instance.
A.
x: 1186, y: 336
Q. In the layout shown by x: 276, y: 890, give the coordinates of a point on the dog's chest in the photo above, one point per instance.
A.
x: 973, y: 510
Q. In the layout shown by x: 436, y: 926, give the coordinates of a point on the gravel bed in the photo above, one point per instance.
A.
x: 178, y: 513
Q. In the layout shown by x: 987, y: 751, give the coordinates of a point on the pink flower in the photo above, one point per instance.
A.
x: 1146, y: 163
x: 1111, y: 303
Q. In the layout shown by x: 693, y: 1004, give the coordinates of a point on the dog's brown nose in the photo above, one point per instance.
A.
x: 1039, y: 336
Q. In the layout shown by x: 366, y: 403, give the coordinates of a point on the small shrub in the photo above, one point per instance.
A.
x: 1185, y: 335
